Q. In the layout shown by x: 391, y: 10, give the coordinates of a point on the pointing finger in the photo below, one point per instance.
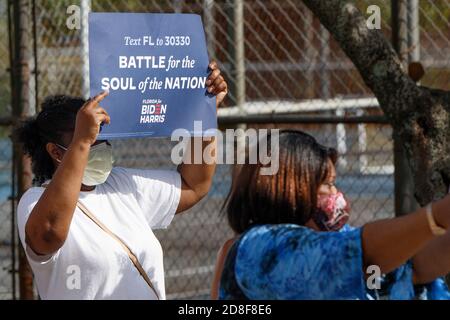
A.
x: 96, y: 100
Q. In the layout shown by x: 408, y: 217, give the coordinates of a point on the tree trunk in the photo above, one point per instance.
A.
x: 420, y: 116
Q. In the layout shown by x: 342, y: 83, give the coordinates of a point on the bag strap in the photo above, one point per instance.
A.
x: 130, y: 254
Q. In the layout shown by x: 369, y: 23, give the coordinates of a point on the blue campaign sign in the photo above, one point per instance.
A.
x: 155, y: 68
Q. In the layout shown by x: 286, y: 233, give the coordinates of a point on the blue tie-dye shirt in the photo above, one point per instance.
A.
x: 288, y: 261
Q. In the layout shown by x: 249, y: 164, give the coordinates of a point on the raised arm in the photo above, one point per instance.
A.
x: 390, y: 243
x: 433, y: 260
x: 331, y: 260
x: 48, y: 224
x: 197, y: 178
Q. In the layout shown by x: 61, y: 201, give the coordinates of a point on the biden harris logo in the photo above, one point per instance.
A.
x: 153, y: 111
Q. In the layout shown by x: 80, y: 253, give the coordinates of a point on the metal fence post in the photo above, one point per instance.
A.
x: 13, y: 170
x: 21, y: 110
x: 85, y: 9
x: 404, y: 184
x: 239, y: 40
x: 413, y: 31
x: 208, y: 9
x: 239, y: 53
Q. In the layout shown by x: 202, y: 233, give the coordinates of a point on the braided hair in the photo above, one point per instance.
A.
x: 57, y: 117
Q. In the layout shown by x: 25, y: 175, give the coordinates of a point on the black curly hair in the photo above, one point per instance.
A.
x: 56, y: 118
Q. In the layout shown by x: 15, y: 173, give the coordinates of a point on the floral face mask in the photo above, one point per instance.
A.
x: 332, y: 212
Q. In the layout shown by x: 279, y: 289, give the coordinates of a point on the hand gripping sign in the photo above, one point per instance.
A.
x: 155, y: 68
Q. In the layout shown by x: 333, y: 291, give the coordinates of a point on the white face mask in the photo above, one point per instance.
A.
x: 99, y: 165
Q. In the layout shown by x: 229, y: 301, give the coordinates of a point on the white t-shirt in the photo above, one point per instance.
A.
x: 91, y: 264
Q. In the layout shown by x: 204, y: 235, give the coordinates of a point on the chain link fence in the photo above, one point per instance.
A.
x: 6, y: 231
x: 292, y: 65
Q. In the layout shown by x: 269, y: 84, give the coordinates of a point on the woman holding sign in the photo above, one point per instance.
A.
x: 87, y: 230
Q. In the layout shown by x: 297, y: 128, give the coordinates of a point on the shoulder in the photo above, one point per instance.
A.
x: 25, y: 206
x: 118, y: 174
x: 154, y: 187
x: 347, y: 227
x: 223, y: 250
x: 264, y: 240
x: 29, y: 199
x: 271, y: 232
x: 269, y: 240
x: 130, y: 175
x: 284, y: 231
x: 222, y: 255
x: 279, y: 261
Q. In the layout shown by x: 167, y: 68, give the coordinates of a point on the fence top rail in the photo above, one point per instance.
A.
x: 300, y: 119
x: 309, y: 105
